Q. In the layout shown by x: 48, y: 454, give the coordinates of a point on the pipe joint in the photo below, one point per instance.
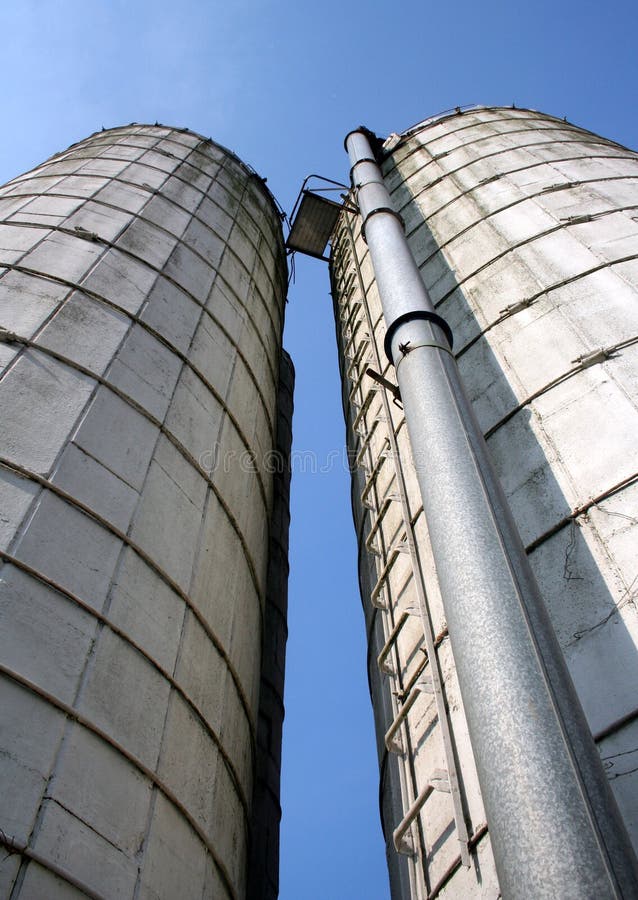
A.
x: 374, y: 212
x: 364, y: 159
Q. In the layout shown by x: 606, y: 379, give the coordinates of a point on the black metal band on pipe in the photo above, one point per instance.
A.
x: 375, y: 212
x: 368, y: 159
x: 345, y: 140
x: 408, y: 317
x: 360, y: 130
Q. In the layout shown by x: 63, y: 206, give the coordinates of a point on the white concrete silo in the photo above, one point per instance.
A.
x: 525, y: 232
x: 142, y: 287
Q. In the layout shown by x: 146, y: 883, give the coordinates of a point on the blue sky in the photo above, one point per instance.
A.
x: 281, y: 84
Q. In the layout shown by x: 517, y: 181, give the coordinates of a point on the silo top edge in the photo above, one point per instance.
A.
x: 443, y: 116
x: 436, y: 118
x: 259, y: 180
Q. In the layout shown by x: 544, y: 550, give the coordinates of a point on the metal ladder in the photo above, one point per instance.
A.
x: 427, y: 678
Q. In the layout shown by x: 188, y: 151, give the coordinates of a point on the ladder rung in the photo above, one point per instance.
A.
x: 416, y: 676
x: 365, y: 443
x: 422, y: 685
x: 377, y: 419
x: 385, y: 506
x: 346, y: 348
x: 381, y: 458
x: 347, y: 282
x: 356, y: 306
x: 363, y: 410
x: 391, y: 739
x: 356, y: 359
x: 399, y: 426
x: 354, y: 402
x: 376, y: 590
x: 353, y: 368
x: 382, y: 658
x: 438, y: 781
x: 356, y: 386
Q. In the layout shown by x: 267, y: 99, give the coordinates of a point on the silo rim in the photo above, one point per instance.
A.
x: 260, y: 180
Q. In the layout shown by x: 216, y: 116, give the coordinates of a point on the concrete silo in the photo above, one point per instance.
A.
x: 143, y: 523
x: 524, y: 229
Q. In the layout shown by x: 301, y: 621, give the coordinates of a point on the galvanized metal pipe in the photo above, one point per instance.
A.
x: 554, y: 825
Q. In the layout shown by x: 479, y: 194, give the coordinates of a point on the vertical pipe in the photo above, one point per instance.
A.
x: 554, y: 825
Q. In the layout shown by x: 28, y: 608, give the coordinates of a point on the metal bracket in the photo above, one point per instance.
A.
x: 10, y: 337
x: 590, y: 359
x: 87, y: 235
x: 515, y: 308
x: 392, y: 388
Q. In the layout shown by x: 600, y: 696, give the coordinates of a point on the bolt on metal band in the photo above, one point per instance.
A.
x: 409, y: 317
x: 433, y: 344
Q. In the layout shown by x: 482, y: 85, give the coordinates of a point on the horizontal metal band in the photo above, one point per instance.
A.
x: 364, y: 159
x: 581, y: 510
x: 12, y: 846
x: 142, y: 554
x: 586, y: 138
x: 109, y: 245
x: 152, y: 193
x: 69, y: 154
x: 142, y: 128
x: 512, y: 248
x: 596, y: 357
x: 152, y: 776
x: 182, y: 450
x: 545, y: 162
x: 465, y: 113
x: 431, y: 344
x: 505, y: 173
x: 218, y: 275
x: 532, y: 115
x: 517, y: 202
x: 194, y: 217
x: 375, y: 212
x: 520, y: 200
x: 417, y: 314
x: 102, y: 144
x: 552, y: 287
x: 8, y: 559
x: 29, y: 342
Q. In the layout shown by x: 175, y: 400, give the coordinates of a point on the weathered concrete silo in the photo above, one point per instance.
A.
x: 142, y: 286
x: 525, y: 232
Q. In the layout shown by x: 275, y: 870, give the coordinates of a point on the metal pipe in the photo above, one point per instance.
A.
x: 554, y: 825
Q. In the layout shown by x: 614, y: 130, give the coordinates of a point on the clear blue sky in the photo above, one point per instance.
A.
x: 281, y: 84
